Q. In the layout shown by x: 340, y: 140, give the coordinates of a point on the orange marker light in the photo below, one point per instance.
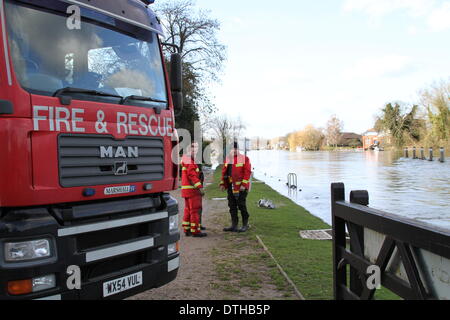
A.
x: 177, y: 245
x: 20, y: 287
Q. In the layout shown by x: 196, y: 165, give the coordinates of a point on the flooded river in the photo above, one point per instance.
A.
x: 414, y: 188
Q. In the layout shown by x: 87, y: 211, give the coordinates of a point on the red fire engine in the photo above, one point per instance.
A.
x: 87, y: 132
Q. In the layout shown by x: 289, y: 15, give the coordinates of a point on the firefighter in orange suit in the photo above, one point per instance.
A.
x: 192, y: 192
x: 236, y: 174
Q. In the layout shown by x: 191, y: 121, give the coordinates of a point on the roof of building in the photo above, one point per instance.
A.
x: 347, y: 136
x: 350, y: 135
x: 370, y: 132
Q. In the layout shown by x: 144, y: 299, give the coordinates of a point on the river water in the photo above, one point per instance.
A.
x: 416, y: 189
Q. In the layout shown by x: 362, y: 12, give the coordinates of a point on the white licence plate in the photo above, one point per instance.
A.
x: 122, y: 284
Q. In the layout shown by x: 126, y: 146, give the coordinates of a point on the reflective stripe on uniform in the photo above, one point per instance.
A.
x: 197, y: 170
x: 187, y: 187
x: 195, y: 228
x: 186, y: 225
x: 238, y: 183
x: 239, y: 165
x: 244, y: 181
x: 197, y: 184
x: 184, y: 168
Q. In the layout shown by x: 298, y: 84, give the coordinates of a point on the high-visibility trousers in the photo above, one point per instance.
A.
x: 192, y: 209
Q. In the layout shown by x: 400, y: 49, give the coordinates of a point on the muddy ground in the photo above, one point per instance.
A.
x: 221, y: 266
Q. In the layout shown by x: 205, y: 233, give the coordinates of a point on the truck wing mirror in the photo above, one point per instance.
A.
x: 176, y: 81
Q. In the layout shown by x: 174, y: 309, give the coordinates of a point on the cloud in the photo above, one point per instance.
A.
x: 439, y: 19
x: 380, y: 8
x: 383, y: 66
x: 435, y: 14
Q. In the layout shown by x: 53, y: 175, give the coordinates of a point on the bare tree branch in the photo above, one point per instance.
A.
x: 195, y: 33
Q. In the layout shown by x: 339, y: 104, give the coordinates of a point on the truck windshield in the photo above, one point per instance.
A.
x: 49, y: 54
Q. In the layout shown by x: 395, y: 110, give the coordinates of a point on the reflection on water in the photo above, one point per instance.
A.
x: 414, y: 188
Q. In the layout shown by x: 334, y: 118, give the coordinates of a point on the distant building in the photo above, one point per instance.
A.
x: 371, y: 138
x: 258, y: 143
x: 350, y: 139
x: 279, y: 143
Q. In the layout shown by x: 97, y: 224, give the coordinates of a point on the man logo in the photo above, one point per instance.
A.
x: 120, y: 168
x: 119, y: 152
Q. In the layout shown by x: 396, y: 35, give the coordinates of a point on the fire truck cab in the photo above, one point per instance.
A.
x: 86, y: 133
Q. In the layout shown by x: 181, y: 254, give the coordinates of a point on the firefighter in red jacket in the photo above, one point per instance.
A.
x: 236, y: 174
x: 192, y: 192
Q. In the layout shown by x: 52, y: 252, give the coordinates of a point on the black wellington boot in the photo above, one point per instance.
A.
x: 245, y: 226
x: 233, y: 228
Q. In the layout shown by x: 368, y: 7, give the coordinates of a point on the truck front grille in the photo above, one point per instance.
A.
x: 81, y: 162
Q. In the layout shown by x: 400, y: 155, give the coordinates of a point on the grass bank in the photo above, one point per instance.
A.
x: 307, y: 262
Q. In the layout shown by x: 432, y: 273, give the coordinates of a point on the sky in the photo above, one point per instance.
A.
x: 292, y: 63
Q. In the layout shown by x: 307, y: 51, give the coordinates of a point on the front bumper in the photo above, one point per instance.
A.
x: 103, y: 249
x: 154, y: 276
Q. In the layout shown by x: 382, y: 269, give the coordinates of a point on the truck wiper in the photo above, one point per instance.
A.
x: 141, y: 98
x: 148, y: 99
x: 67, y: 100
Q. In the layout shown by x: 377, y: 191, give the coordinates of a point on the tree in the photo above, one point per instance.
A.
x: 195, y: 33
x: 436, y: 100
x: 226, y: 130
x: 333, y: 131
x: 400, y: 122
x: 309, y: 138
x: 293, y: 141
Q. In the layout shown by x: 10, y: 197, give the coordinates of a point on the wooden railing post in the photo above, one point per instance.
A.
x: 357, y: 242
x: 339, y: 272
x: 419, y: 247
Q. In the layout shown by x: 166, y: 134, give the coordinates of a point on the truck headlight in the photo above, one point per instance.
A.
x: 173, y: 248
x: 173, y: 223
x: 27, y: 250
x: 44, y: 283
x: 32, y: 285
